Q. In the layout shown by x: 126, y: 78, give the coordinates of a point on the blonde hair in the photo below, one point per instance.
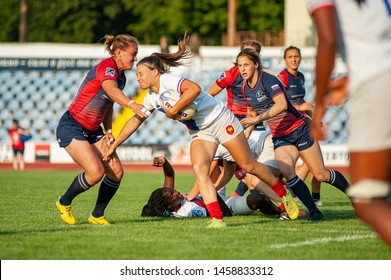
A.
x: 163, y: 61
x: 121, y: 42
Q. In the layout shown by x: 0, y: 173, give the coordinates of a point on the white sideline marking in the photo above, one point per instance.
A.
x: 321, y: 240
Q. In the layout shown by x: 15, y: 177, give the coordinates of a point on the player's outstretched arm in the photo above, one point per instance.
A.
x: 129, y: 128
x: 169, y: 173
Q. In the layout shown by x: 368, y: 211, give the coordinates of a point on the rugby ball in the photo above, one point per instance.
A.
x: 169, y: 98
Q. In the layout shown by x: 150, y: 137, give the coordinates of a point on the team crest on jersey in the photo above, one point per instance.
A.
x: 230, y: 129
x: 261, y: 96
x: 110, y: 72
x: 222, y: 76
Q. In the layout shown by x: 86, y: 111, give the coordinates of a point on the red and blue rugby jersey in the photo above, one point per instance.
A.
x: 232, y: 81
x: 91, y: 102
x: 294, y: 86
x: 260, y: 98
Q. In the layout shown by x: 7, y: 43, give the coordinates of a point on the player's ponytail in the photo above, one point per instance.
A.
x: 163, y: 61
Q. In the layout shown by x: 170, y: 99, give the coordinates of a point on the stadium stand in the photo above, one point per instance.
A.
x: 38, y: 98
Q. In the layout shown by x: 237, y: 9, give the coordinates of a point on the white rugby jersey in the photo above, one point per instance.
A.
x: 366, y: 30
x: 190, y: 209
x: 208, y: 108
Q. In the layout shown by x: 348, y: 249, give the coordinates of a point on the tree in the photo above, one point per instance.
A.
x: 87, y: 21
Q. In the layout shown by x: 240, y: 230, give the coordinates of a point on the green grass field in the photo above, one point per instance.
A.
x: 31, y: 228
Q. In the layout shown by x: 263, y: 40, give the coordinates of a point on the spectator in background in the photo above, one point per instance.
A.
x: 18, y: 136
x: 164, y: 44
x: 294, y: 84
x: 365, y: 27
x: 80, y: 130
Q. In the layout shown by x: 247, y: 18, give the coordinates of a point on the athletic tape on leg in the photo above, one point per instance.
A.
x: 369, y: 189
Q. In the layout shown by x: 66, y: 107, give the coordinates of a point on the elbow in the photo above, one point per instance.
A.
x: 284, y: 107
x: 197, y: 90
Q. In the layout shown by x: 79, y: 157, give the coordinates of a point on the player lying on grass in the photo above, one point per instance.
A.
x: 166, y: 201
x: 222, y: 176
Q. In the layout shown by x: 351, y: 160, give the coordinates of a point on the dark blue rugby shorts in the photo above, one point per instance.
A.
x: 300, y: 138
x: 68, y: 129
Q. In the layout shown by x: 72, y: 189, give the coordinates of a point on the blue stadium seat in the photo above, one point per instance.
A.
x: 45, y: 95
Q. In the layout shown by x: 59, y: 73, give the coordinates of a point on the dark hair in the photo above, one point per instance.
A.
x: 163, y: 61
x: 252, y: 55
x: 156, y: 205
x: 252, y: 43
x: 292, y: 48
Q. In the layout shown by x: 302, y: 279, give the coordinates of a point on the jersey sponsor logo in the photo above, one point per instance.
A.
x: 110, y: 72
x: 302, y: 144
x: 275, y: 87
x: 230, y: 129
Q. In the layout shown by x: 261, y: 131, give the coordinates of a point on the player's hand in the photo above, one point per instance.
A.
x: 337, y: 91
x: 140, y: 110
x: 110, y: 139
x: 106, y: 156
x: 317, y: 130
x: 248, y: 121
x: 159, y: 161
x: 306, y: 106
x: 171, y: 113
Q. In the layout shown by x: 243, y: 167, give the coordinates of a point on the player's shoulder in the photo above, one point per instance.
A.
x: 229, y: 74
x: 233, y: 70
x: 171, y: 81
x: 283, y: 72
x: 107, y: 62
x: 268, y: 75
x: 283, y: 75
x: 107, y: 68
x: 314, y: 5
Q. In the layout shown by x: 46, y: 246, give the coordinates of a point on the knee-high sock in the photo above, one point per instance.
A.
x: 338, y: 180
x: 78, y: 186
x: 214, y: 210
x: 301, y: 190
x: 107, y: 190
x: 241, y: 188
x: 278, y: 188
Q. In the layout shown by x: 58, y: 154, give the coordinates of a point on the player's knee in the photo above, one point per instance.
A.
x: 95, y: 174
x: 249, y: 167
x: 119, y: 173
x: 322, y: 176
x: 367, y: 190
x: 200, y: 169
